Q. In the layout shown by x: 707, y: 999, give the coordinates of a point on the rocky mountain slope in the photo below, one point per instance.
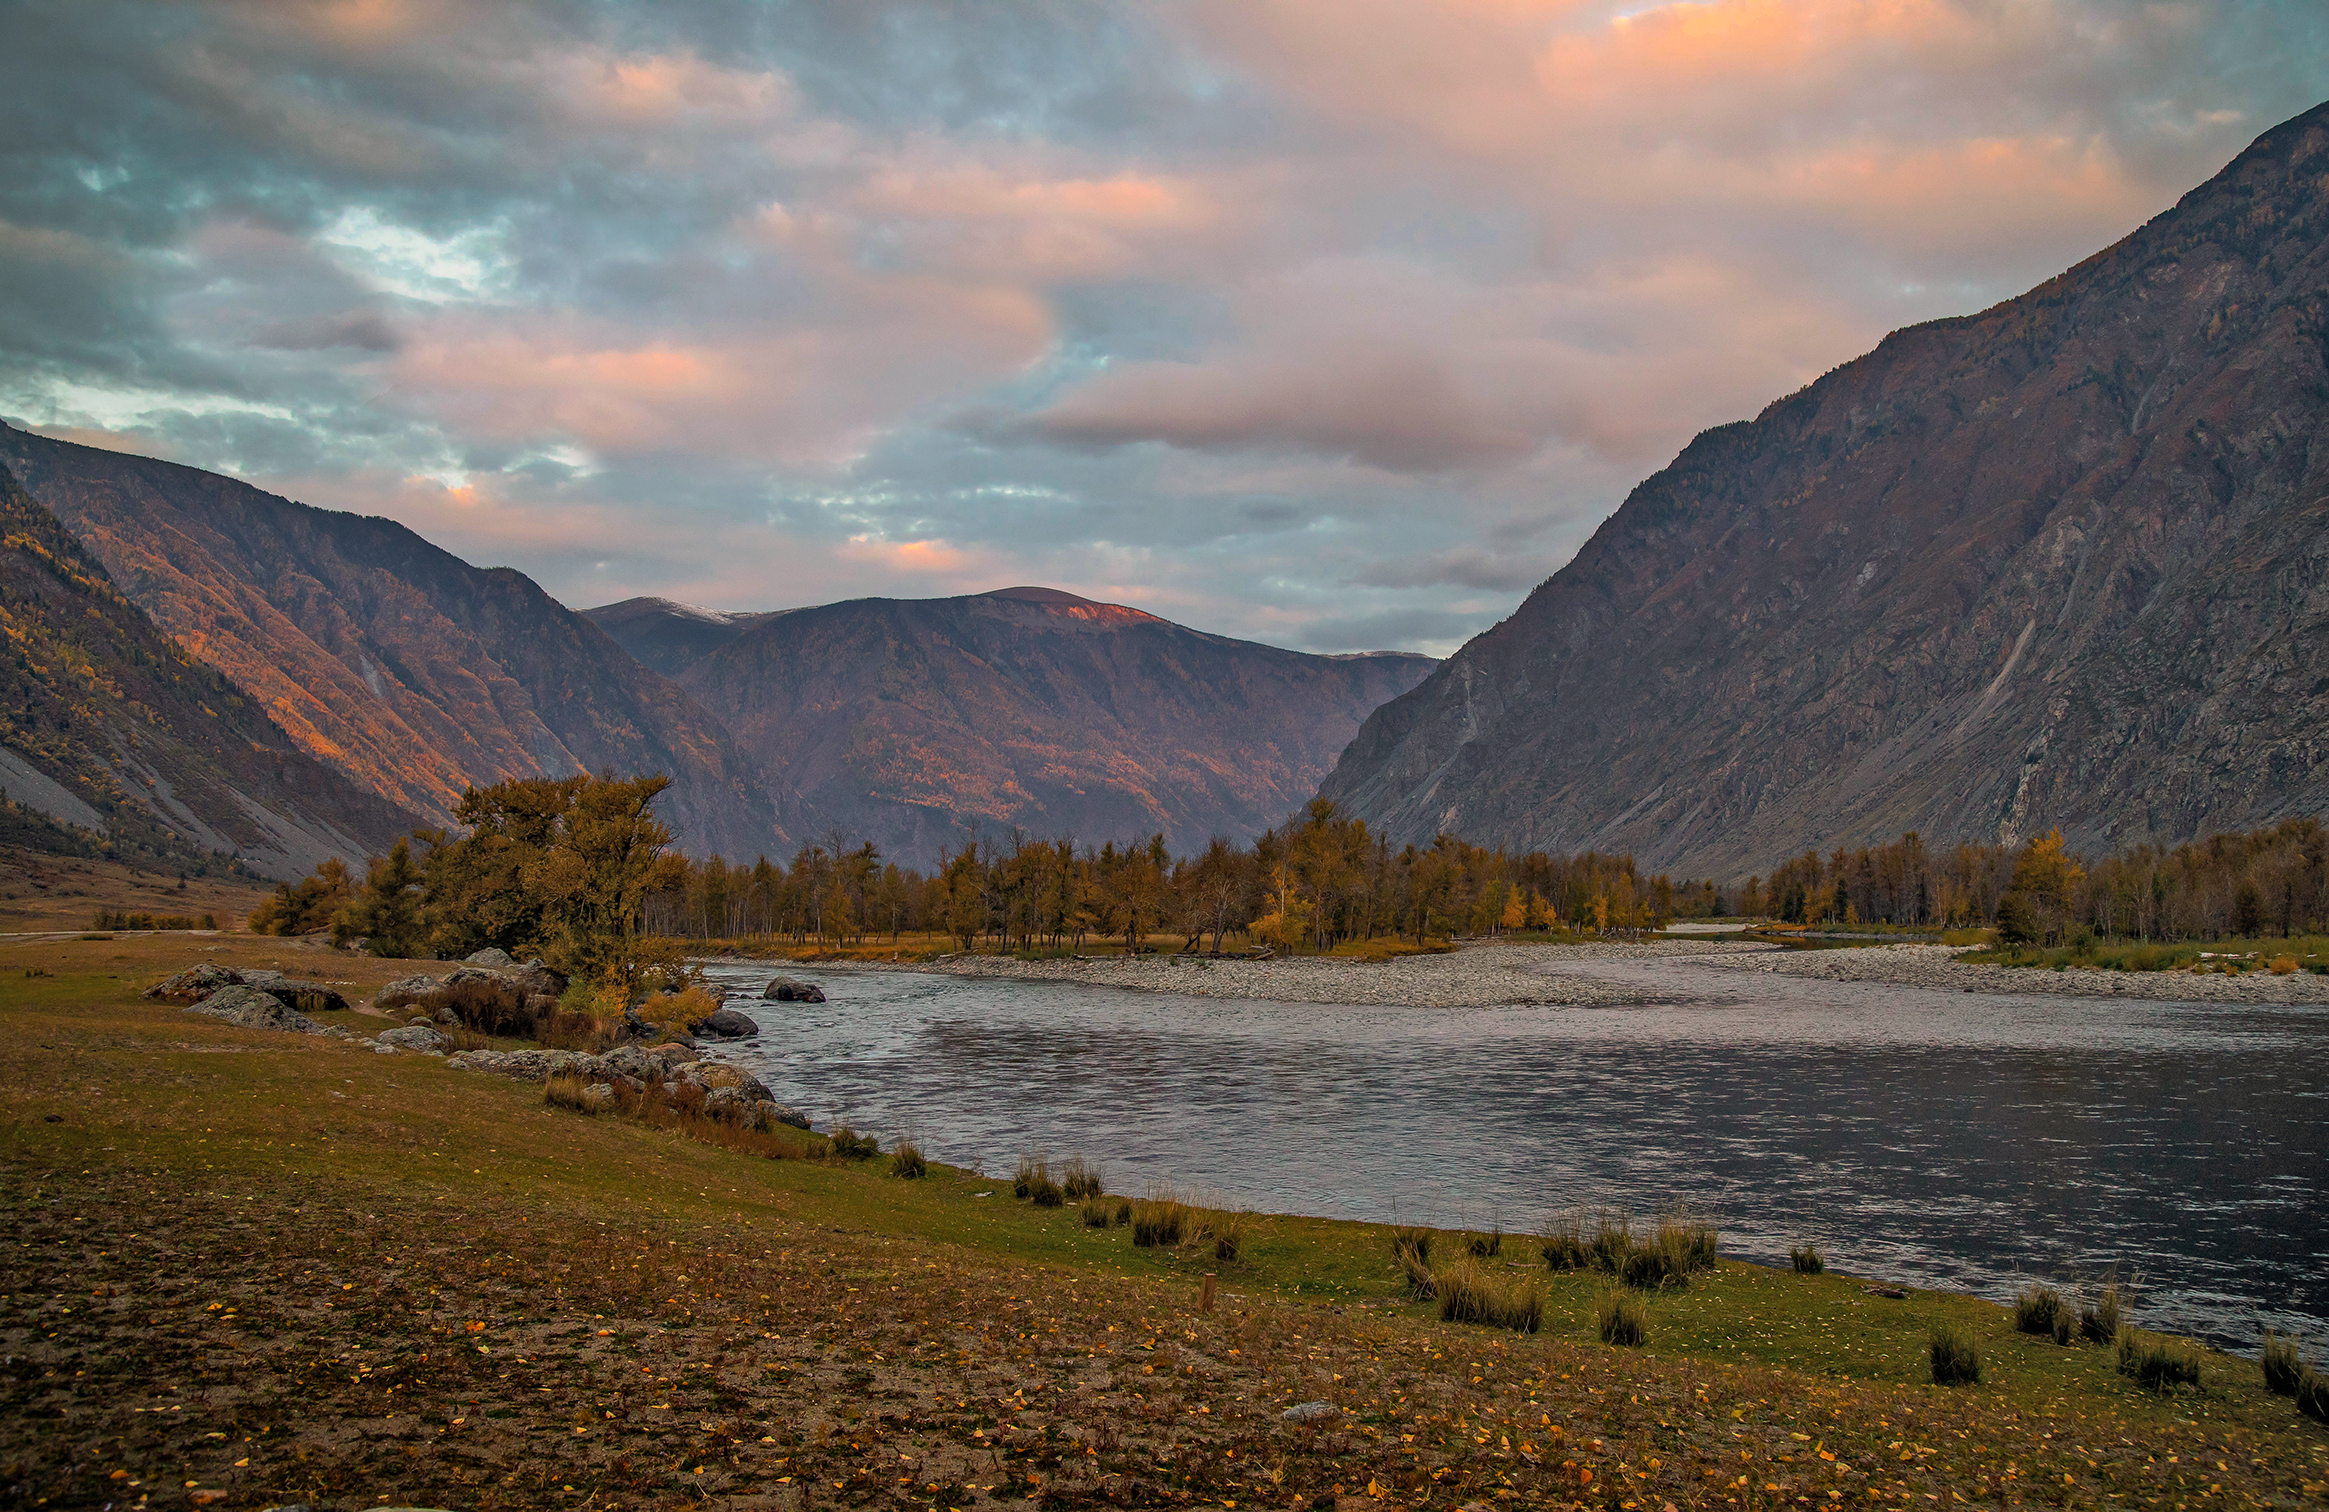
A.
x: 2064, y: 562
x: 405, y: 668
x: 107, y: 726
x: 917, y: 722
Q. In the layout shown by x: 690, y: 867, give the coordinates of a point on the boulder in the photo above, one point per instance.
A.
x: 250, y: 1008
x: 720, y: 1076
x: 672, y: 1054
x: 413, y: 1037
x: 773, y: 1113
x: 786, y: 990
x: 598, y: 1097
x: 492, y: 957
x: 728, y: 1023
x: 293, y: 993
x: 194, y: 984
x: 409, y: 992
x: 518, y: 1065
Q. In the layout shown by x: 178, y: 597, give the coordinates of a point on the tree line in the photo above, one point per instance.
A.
x: 2271, y: 881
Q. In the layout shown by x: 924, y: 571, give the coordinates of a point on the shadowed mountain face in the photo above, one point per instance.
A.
x: 108, y: 725
x: 404, y: 667
x: 2065, y: 562
x: 919, y: 721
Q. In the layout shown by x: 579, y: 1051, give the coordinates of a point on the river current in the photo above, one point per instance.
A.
x: 1938, y: 1139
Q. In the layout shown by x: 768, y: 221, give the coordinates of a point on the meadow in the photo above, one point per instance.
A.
x: 250, y: 1269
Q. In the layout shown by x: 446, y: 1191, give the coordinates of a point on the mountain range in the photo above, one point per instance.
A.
x: 2063, y: 563
x: 113, y: 728
x: 922, y: 722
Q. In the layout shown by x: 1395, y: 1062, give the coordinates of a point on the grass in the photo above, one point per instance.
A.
x: 907, y: 1162
x: 1620, y: 1319
x: 1807, y: 1261
x: 848, y: 1144
x: 2283, y: 1366
x: 733, y: 1323
x: 2230, y: 957
x: 2156, y: 1362
x: 2040, y: 1310
x: 1469, y: 1292
x: 2312, y: 1394
x: 1160, y: 1221
x: 2101, y: 1318
x: 1954, y: 1356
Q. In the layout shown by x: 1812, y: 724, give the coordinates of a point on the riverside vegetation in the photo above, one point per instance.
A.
x: 282, y: 1268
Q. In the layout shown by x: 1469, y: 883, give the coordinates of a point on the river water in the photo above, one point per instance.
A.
x: 1942, y: 1139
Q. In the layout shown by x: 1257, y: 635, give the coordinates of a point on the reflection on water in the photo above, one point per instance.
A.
x: 1943, y: 1139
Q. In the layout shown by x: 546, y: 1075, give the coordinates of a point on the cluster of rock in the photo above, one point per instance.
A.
x: 489, y: 992
x: 669, y: 1073
x: 198, y: 983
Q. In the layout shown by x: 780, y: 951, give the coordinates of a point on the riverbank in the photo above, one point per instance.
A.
x: 1472, y: 976
x: 254, y: 1269
x: 1937, y: 967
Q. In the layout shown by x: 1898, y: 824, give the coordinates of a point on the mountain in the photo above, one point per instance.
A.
x: 918, y: 722
x: 109, y: 726
x: 412, y: 672
x: 2061, y: 563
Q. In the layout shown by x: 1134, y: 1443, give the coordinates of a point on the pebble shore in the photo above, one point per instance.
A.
x: 1489, y: 975
x: 1937, y: 966
x: 1473, y: 976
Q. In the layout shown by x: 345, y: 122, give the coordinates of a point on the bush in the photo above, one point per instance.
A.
x: 1612, y: 1241
x: 2099, y: 1321
x: 565, y: 1091
x: 906, y: 1161
x: 1123, y: 1214
x: 1081, y: 1181
x: 1468, y: 1293
x: 2283, y: 1366
x: 2312, y: 1394
x: 1677, y: 1250
x: 848, y: 1144
x: 2038, y: 1309
x: 1621, y: 1319
x: 1226, y: 1231
x: 1807, y: 1261
x: 2157, y: 1363
x: 1956, y: 1358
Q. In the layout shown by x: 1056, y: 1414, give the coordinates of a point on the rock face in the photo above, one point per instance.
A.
x: 410, y: 672
x: 2064, y: 562
x: 198, y: 984
x: 911, y: 721
x: 154, y: 750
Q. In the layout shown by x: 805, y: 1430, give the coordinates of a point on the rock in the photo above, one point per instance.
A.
x: 728, y: 1023
x: 719, y: 1075
x: 293, y: 993
x: 1310, y: 1412
x: 730, y: 1106
x: 413, y: 1037
x: 518, y: 1065
x: 770, y: 1114
x: 493, y: 957
x: 786, y: 990
x: 672, y: 1054
x: 407, y: 992
x: 194, y: 984
x: 598, y: 1097
x: 249, y: 1008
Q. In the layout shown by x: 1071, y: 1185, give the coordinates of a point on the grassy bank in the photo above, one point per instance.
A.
x: 278, y: 1269
x: 2230, y: 957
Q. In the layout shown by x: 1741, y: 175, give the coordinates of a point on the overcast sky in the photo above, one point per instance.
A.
x: 1332, y: 323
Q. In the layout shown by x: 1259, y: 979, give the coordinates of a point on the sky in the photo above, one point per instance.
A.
x: 1337, y: 324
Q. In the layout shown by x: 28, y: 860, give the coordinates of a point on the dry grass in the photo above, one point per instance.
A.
x: 2283, y: 1366
x: 1471, y: 1293
x: 2040, y: 1310
x: 2101, y: 1318
x: 1161, y: 1220
x: 906, y: 1161
x: 1620, y: 1319
x: 2156, y: 1362
x: 1081, y: 1181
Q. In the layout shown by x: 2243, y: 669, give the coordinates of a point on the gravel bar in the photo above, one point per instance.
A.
x: 1937, y: 966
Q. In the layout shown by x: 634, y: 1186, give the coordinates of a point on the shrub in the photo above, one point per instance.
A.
x: 2283, y: 1367
x: 1226, y: 1231
x: 1807, y: 1260
x: 1612, y: 1241
x: 1095, y: 1215
x: 2313, y: 1394
x: 2099, y: 1321
x: 1563, y: 1243
x: 1468, y: 1293
x: 2037, y: 1309
x: 2065, y: 1331
x: 1956, y: 1358
x: 1678, y: 1248
x: 848, y: 1144
x: 2157, y: 1363
x: 906, y: 1161
x: 1159, y: 1221
x: 1621, y: 1319
x: 1081, y: 1181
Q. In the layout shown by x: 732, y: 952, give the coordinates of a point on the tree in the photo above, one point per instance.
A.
x: 2017, y: 920
x: 386, y: 914
x: 593, y: 882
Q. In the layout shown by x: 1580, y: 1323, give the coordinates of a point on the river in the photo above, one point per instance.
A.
x: 1940, y: 1139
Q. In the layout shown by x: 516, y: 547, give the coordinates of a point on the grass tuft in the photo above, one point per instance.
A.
x: 1956, y: 1359
x: 1031, y: 1169
x: 2040, y: 1310
x: 1045, y: 1192
x: 906, y: 1161
x: 1807, y: 1261
x: 1485, y: 1245
x: 1621, y: 1319
x: 565, y: 1091
x: 1123, y: 1213
x: 2312, y: 1394
x: 1095, y: 1215
x: 1081, y: 1182
x: 2100, y: 1320
x: 2157, y: 1363
x: 2283, y: 1366
x: 1470, y: 1293
x: 1160, y: 1221
x: 1412, y: 1249
x: 1563, y: 1242
x: 848, y: 1144
x: 1226, y: 1232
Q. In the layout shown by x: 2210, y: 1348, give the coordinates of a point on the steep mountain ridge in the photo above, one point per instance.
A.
x: 109, y: 726
x: 2061, y: 563
x: 919, y: 722
x: 388, y: 658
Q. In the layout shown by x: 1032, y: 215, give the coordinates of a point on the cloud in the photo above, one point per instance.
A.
x: 1332, y: 322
